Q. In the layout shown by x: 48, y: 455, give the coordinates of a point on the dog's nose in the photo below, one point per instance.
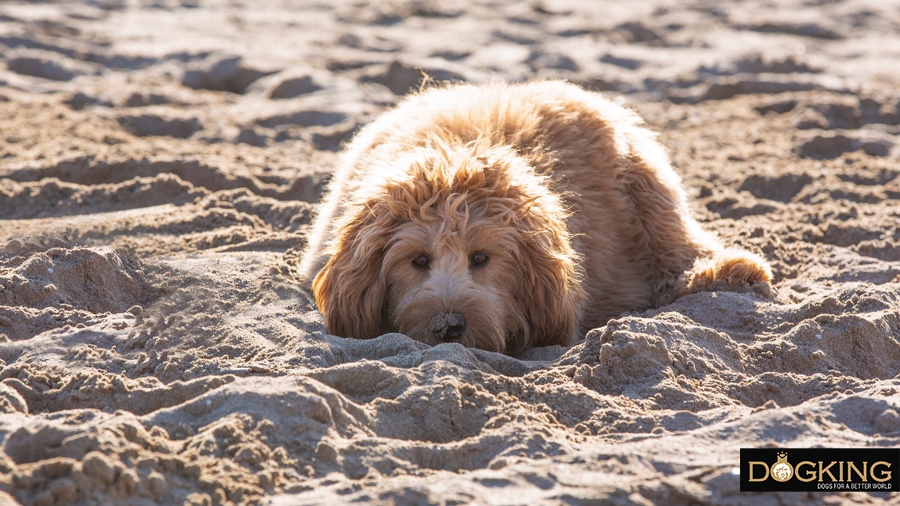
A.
x: 447, y: 326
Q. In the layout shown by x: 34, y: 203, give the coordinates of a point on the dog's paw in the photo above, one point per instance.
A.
x: 733, y: 268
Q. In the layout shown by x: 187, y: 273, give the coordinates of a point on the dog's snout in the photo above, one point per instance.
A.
x: 447, y: 326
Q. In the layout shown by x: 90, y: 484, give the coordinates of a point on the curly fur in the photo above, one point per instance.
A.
x: 572, y: 201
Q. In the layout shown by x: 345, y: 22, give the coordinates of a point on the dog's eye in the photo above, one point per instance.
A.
x: 478, y: 259
x: 421, y: 261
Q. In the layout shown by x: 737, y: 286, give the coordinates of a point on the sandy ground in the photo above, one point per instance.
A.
x: 159, y: 162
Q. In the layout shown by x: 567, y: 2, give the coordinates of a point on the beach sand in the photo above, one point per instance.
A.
x: 159, y: 166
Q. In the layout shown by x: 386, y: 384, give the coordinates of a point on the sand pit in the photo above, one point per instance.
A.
x: 159, y: 163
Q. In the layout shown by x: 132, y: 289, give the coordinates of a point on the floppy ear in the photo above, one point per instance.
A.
x: 350, y: 290
x: 551, y: 293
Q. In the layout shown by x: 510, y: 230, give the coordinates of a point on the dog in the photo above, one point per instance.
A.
x: 504, y: 216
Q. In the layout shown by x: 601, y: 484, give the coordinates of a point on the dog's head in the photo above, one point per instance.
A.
x: 456, y: 245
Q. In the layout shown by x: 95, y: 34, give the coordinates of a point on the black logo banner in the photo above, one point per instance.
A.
x: 820, y: 469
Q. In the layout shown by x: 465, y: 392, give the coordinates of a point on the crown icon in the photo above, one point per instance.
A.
x: 782, y: 455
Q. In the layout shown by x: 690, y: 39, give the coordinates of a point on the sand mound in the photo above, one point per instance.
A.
x: 61, y: 287
x: 157, y: 182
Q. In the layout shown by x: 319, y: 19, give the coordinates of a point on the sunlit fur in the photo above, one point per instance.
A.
x: 573, y: 202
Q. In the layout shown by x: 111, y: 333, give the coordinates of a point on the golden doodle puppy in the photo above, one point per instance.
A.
x: 504, y: 216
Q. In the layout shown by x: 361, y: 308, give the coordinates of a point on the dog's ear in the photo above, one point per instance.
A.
x: 551, y: 293
x: 350, y: 290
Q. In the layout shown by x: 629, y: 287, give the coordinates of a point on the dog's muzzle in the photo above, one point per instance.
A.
x: 447, y: 326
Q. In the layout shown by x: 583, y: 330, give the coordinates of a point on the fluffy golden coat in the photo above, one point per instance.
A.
x: 504, y: 216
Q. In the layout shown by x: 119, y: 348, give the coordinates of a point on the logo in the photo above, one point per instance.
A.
x: 782, y: 471
x: 820, y: 469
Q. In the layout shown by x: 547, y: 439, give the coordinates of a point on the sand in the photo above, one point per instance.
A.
x: 159, y: 166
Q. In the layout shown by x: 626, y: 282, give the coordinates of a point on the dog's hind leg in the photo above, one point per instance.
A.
x: 733, y: 266
x: 682, y: 257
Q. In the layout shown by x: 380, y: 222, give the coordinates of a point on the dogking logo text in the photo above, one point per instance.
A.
x: 820, y: 469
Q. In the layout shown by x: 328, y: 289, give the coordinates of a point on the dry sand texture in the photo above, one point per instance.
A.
x: 158, y: 165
